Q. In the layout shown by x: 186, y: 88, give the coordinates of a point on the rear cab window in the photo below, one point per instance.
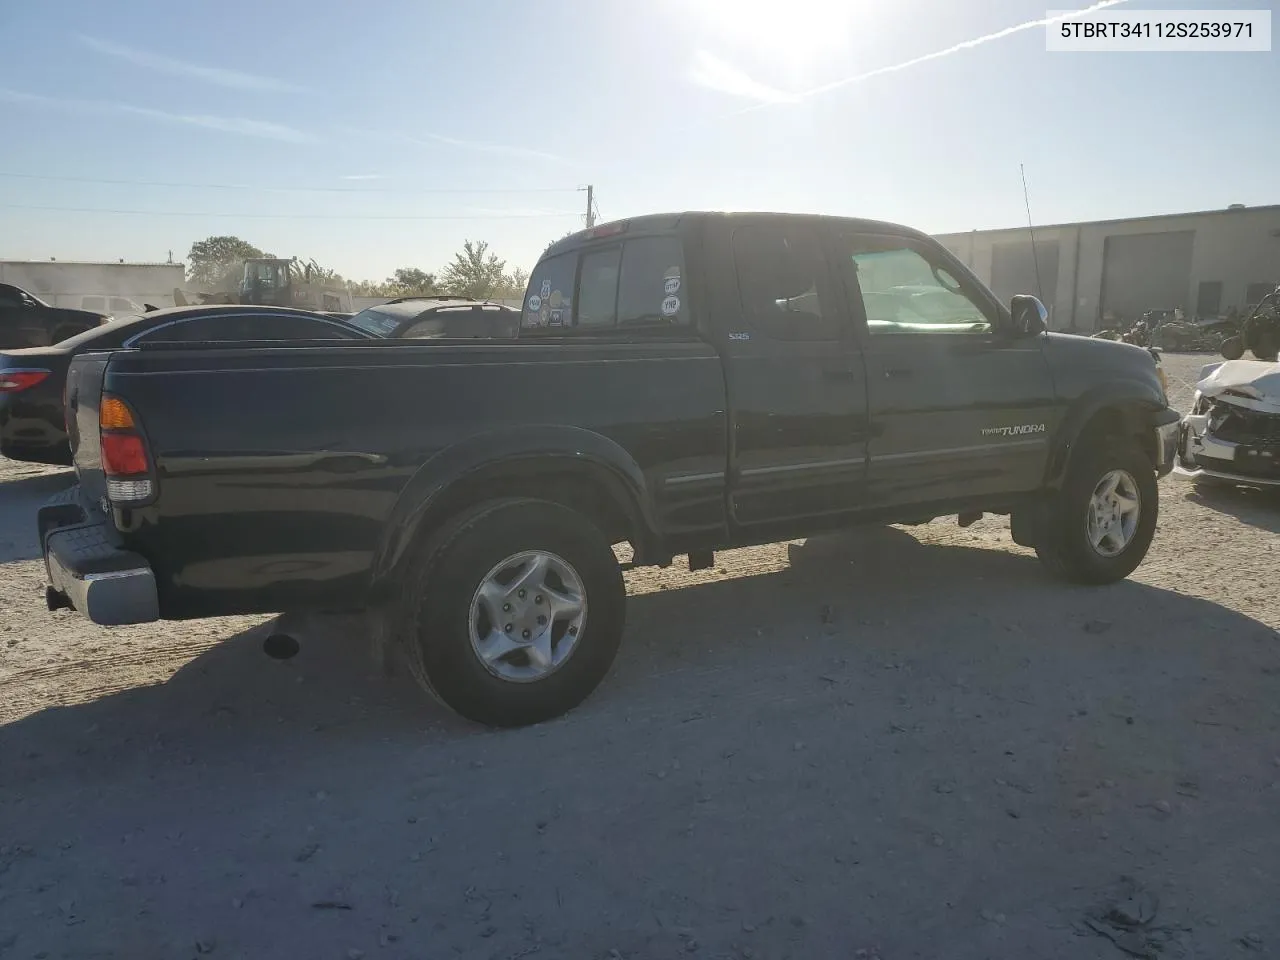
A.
x: 632, y: 284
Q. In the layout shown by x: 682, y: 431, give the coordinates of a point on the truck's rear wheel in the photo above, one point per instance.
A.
x: 515, y: 612
x: 1100, y: 526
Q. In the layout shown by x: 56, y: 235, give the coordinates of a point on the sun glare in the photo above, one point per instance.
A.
x: 790, y: 30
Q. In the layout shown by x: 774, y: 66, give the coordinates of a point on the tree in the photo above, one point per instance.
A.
x: 475, y: 272
x: 210, y: 259
x: 516, y: 281
x: 410, y: 281
x: 369, y: 288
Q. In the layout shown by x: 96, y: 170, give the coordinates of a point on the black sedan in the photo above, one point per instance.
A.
x: 27, y: 321
x: 31, y: 379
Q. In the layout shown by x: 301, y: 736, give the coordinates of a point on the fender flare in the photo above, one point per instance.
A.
x: 518, y: 449
x: 1126, y: 395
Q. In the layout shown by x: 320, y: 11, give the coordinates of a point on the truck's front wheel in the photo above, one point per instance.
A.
x: 1101, y: 523
x: 515, y: 613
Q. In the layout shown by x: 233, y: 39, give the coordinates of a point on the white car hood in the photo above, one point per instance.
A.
x: 1253, y: 384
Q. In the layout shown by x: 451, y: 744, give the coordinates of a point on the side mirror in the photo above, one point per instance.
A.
x: 1029, y: 315
x: 1233, y: 348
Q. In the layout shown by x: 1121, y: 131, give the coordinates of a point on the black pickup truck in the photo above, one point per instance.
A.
x: 683, y: 383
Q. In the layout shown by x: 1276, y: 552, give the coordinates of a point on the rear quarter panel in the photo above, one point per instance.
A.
x: 279, y: 468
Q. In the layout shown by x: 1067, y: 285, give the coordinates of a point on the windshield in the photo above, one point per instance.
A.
x: 375, y: 322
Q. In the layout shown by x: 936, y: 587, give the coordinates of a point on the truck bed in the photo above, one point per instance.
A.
x: 287, y: 473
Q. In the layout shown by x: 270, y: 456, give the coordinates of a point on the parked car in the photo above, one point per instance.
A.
x: 439, y: 317
x: 31, y: 379
x: 1232, y: 434
x: 27, y: 321
x: 117, y: 308
x: 683, y: 383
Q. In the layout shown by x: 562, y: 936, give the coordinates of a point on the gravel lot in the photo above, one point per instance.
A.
x: 906, y: 742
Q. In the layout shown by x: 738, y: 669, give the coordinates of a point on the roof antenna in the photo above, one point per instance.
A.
x: 1035, y: 258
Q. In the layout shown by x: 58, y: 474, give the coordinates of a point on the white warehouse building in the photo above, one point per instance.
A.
x: 1205, y: 264
x: 115, y: 287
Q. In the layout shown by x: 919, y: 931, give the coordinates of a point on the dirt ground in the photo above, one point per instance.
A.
x: 899, y: 743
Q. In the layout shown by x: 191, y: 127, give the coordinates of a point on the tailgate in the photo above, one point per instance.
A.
x: 84, y: 394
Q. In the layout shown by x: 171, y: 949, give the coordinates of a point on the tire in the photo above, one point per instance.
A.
x: 1066, y: 546
x: 442, y: 603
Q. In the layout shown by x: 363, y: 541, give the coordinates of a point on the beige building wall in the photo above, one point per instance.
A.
x: 1238, y: 248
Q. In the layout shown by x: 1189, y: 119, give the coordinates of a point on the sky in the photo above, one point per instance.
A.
x: 385, y: 134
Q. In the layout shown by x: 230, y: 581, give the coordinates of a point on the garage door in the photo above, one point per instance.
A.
x: 1148, y: 271
x: 1013, y: 270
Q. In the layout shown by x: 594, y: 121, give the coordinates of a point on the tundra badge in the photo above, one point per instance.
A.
x: 1019, y: 430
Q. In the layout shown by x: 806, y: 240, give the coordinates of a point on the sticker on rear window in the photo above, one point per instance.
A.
x: 671, y: 285
x: 535, y: 303
x: 670, y: 306
x: 546, y: 288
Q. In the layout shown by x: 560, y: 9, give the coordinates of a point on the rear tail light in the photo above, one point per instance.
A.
x: 125, y: 458
x: 607, y: 230
x: 17, y: 380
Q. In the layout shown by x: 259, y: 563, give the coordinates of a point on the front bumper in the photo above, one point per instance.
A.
x: 1203, y: 455
x: 87, y: 571
x: 1166, y: 425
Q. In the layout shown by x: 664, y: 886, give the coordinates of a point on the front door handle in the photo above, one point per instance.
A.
x: 838, y: 373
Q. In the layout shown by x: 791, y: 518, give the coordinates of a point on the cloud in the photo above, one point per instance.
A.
x: 432, y: 139
x: 713, y: 73
x: 241, y: 126
x: 915, y: 61
x: 218, y: 76
x: 520, y: 212
x: 362, y: 176
x: 526, y: 153
x: 956, y: 48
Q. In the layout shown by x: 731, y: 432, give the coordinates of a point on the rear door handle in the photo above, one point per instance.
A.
x: 838, y: 373
x: 897, y: 373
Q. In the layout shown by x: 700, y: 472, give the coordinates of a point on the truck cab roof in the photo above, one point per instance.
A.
x: 672, y: 222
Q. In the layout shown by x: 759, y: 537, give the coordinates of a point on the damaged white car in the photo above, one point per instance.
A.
x: 1232, y: 434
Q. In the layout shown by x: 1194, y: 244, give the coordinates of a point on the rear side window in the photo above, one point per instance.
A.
x: 246, y: 327
x: 638, y: 283
x: 651, y: 287
x: 96, y: 304
x: 549, y: 301
x: 598, y: 289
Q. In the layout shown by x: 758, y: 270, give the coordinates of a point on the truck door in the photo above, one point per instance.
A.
x: 797, y: 388
x: 959, y: 407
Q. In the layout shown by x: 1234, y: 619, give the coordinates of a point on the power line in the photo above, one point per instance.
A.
x: 275, y: 189
x: 298, y: 216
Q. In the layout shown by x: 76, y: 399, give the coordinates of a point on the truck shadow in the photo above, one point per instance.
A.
x: 778, y: 713
x: 1257, y: 508
x: 19, y: 499
x: 851, y: 603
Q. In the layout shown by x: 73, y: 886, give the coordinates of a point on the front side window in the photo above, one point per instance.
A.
x: 902, y: 291
x: 782, y: 283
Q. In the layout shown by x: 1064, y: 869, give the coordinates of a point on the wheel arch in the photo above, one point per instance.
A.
x: 1120, y: 410
x: 574, y: 467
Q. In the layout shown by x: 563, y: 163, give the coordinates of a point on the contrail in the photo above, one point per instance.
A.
x: 937, y: 54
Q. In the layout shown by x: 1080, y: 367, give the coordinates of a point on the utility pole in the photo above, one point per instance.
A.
x: 591, y: 206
